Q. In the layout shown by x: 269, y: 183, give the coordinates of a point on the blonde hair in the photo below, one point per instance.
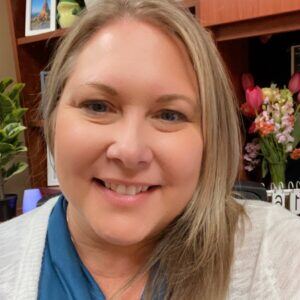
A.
x: 194, y: 254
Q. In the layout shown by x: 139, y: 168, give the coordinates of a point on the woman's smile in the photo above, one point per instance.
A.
x: 125, y: 195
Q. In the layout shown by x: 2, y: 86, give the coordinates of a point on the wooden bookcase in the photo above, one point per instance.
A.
x: 31, y: 55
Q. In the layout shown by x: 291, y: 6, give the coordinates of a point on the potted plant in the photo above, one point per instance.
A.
x: 11, y: 114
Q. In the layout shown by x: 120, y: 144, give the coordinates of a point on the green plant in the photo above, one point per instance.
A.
x: 11, y: 114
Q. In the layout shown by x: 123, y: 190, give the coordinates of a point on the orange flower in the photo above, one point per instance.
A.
x: 295, y: 154
x: 264, y: 128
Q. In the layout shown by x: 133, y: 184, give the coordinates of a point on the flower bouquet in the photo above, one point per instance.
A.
x: 275, y: 126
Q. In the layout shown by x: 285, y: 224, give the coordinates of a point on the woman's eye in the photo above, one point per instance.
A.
x: 172, y: 116
x: 97, y: 106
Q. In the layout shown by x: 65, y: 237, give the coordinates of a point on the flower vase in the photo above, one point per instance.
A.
x: 277, y: 171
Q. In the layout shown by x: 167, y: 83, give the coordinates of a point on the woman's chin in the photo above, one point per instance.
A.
x: 121, y: 238
x: 122, y: 241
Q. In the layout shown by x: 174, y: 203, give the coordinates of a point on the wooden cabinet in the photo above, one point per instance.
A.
x: 31, y: 56
x: 236, y: 19
x: 216, y: 12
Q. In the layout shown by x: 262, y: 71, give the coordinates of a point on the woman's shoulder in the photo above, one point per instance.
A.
x: 20, y: 224
x: 265, y: 223
x: 267, y: 217
x: 267, y: 250
x: 21, y: 248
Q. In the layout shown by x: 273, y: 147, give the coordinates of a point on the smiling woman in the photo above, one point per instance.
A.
x: 141, y: 121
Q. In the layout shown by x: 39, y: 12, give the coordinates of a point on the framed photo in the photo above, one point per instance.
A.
x: 40, y: 16
x: 295, y: 59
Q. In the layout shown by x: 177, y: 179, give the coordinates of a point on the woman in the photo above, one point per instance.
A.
x: 141, y: 121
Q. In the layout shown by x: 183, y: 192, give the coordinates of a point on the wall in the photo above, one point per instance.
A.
x: 18, y: 183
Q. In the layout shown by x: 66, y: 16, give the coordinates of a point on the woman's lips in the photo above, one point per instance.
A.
x: 124, y: 200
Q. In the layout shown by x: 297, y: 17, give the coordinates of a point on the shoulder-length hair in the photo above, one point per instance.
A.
x: 194, y: 254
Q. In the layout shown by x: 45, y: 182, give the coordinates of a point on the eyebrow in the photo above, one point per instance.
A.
x: 162, y: 99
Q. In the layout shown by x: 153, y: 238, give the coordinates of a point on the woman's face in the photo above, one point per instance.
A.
x: 128, y: 119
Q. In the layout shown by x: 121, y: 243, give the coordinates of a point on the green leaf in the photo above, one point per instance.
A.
x: 14, y: 93
x: 16, y: 168
x: 15, y: 116
x: 264, y: 168
x: 2, y: 135
x: 13, y: 130
x: 6, y: 148
x: 5, y: 158
x: 296, y: 131
x: 21, y: 149
x: 5, y: 83
x: 6, y: 106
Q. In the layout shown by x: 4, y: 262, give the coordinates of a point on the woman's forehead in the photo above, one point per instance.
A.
x: 129, y: 48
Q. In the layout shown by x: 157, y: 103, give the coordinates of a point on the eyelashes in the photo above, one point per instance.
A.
x: 96, y: 106
x: 102, y: 108
x: 172, y: 116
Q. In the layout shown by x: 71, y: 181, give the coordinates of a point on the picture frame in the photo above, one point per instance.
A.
x: 295, y: 59
x: 40, y: 16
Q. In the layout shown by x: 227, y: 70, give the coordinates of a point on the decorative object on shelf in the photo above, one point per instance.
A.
x: 295, y: 59
x: 67, y: 12
x: 288, y: 198
x: 11, y: 114
x: 276, y: 126
x: 30, y: 199
x: 40, y: 16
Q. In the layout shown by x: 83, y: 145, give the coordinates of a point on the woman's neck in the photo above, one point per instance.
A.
x: 111, y: 266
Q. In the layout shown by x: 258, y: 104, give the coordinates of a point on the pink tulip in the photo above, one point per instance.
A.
x: 294, y: 84
x: 254, y: 98
x: 247, y: 81
x: 247, y: 110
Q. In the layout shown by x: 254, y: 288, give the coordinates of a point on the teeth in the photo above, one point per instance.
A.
x: 144, y: 188
x: 121, y: 189
x: 126, y: 190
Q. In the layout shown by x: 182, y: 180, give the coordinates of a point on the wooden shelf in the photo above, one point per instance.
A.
x: 41, y: 37
x: 256, y: 27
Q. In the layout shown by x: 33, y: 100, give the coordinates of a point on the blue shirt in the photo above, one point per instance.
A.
x: 63, y: 275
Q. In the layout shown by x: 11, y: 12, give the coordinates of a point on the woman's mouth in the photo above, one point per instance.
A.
x: 125, y: 194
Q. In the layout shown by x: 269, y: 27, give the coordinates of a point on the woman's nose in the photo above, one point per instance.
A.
x: 130, y: 147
